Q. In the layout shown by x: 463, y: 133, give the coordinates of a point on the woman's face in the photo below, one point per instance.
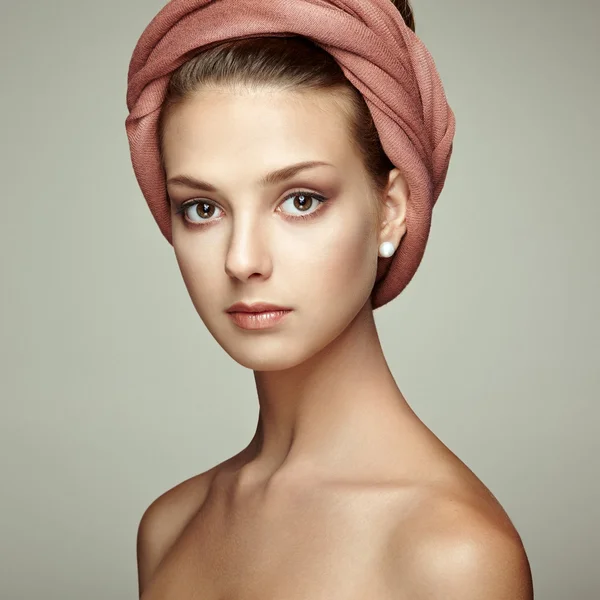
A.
x: 246, y: 241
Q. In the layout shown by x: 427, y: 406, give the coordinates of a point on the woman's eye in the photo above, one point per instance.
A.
x: 200, y: 209
x: 303, y: 204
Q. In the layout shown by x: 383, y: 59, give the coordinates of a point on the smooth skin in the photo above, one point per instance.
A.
x: 343, y: 493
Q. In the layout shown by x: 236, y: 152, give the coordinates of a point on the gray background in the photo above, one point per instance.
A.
x: 112, y: 391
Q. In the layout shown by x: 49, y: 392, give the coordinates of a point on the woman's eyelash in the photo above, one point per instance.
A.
x: 320, y: 199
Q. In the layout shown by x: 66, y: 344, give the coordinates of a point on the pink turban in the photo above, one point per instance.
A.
x: 378, y: 53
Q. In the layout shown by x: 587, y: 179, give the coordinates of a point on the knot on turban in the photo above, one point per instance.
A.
x: 378, y: 53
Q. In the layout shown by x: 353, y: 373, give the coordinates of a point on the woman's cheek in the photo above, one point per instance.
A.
x: 350, y: 257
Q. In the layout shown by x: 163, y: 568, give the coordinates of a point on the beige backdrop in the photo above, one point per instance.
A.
x: 112, y: 391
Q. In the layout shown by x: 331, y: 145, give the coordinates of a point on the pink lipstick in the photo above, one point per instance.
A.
x: 258, y: 315
x: 258, y: 320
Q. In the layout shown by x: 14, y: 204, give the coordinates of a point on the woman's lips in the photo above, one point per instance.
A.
x: 259, y: 320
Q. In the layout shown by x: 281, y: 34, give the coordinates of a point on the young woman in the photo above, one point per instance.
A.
x: 282, y: 208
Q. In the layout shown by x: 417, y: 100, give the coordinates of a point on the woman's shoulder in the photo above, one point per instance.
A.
x: 451, y: 497
x: 458, y: 534
x: 180, y: 503
x: 167, y: 517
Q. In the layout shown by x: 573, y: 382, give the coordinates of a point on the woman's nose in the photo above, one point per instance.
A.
x: 248, y: 252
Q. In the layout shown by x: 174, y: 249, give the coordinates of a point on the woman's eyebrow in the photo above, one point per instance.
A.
x: 272, y: 178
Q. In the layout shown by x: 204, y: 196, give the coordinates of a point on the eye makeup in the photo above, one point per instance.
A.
x: 318, y: 197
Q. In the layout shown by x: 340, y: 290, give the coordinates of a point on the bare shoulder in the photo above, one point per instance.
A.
x: 167, y: 515
x: 164, y: 521
x: 456, y: 547
x: 166, y: 518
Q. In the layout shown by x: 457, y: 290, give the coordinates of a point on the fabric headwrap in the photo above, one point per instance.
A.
x: 378, y: 53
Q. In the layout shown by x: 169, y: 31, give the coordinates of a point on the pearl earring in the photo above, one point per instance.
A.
x: 386, y: 249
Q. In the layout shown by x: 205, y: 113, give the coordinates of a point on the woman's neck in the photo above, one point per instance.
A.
x: 338, y: 414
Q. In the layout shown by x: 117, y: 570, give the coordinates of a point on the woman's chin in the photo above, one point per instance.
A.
x: 258, y: 360
x: 262, y: 353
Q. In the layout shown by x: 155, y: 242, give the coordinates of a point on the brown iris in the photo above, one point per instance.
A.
x: 205, y: 213
x: 302, y: 204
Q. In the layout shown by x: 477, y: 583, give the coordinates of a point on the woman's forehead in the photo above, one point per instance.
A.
x: 234, y: 127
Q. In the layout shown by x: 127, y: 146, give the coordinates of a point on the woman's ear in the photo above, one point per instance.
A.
x: 392, y: 226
